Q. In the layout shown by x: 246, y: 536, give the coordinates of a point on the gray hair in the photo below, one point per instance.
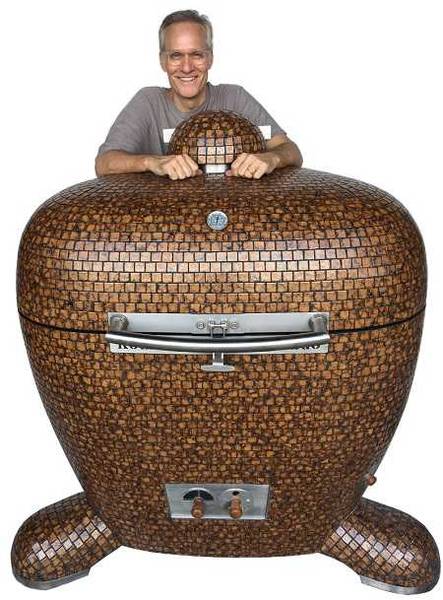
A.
x: 185, y: 16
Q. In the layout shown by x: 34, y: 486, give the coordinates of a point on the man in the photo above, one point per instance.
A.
x: 135, y: 141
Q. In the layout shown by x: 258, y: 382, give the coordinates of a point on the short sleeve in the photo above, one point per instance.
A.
x: 130, y: 130
x: 250, y: 108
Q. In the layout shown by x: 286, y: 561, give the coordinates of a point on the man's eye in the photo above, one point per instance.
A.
x: 175, y: 56
x: 198, y: 55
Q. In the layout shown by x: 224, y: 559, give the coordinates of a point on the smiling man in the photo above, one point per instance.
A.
x: 135, y: 142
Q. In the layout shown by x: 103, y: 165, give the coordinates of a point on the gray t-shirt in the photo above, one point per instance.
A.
x: 139, y: 127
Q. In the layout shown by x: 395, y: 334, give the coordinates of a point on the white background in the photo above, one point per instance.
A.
x: 357, y: 85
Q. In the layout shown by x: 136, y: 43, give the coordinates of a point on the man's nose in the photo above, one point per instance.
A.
x: 187, y: 64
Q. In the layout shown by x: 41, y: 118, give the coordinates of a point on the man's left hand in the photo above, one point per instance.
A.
x: 253, y: 166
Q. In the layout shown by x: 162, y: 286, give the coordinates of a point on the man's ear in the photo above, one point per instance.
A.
x: 211, y: 60
x: 162, y: 59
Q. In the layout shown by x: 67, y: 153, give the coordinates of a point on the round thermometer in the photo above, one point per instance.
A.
x: 217, y: 220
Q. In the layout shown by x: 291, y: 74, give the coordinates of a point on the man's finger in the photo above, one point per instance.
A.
x: 184, y: 168
x: 171, y: 172
x: 167, y: 167
x: 260, y: 171
x: 238, y: 162
x: 177, y: 169
x: 172, y: 168
x: 241, y: 159
x: 191, y: 163
x: 247, y: 169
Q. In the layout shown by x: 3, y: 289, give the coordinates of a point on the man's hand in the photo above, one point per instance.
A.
x: 253, y: 166
x: 118, y: 161
x: 280, y: 152
x: 178, y: 166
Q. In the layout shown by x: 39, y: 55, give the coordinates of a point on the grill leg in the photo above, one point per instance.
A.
x: 389, y: 549
x: 60, y: 543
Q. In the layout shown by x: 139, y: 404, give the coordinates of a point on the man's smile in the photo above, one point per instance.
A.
x: 187, y: 79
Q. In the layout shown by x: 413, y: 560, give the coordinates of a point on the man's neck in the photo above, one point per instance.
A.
x: 188, y: 104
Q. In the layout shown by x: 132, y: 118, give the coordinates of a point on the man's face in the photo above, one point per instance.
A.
x: 186, y: 59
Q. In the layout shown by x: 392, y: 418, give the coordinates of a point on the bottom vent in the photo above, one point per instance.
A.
x: 243, y: 501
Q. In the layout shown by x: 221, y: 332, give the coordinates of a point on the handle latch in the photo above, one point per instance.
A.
x: 218, y: 365
x: 217, y: 335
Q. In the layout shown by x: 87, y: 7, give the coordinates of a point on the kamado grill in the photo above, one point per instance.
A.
x: 224, y: 362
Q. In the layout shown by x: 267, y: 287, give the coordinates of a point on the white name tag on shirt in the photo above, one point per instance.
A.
x: 265, y: 129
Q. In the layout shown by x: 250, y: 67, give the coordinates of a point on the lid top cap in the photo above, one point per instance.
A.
x: 214, y: 139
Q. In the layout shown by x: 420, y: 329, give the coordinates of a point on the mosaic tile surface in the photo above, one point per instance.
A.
x: 297, y: 240
x: 314, y: 427
x: 62, y: 539
x: 387, y: 545
x: 216, y: 138
x: 311, y: 426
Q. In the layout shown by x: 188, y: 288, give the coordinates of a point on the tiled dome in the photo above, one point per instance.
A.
x: 216, y: 138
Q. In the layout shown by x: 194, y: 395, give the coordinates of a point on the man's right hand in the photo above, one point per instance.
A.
x: 178, y: 166
x: 117, y: 161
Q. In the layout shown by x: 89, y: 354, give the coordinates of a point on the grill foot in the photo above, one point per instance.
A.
x: 388, y: 548
x: 60, y: 543
x: 396, y: 589
x: 51, y: 583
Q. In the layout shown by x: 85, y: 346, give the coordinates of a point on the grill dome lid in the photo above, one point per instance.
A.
x: 297, y: 240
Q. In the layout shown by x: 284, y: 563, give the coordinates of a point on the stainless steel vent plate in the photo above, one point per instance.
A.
x: 217, y: 496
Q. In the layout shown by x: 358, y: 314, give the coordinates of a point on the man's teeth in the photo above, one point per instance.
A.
x: 187, y: 78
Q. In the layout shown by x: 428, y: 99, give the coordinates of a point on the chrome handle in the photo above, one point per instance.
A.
x: 214, y: 345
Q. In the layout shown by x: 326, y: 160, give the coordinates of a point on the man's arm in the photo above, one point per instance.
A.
x: 280, y: 152
x: 118, y: 161
x: 285, y: 150
x: 128, y: 140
